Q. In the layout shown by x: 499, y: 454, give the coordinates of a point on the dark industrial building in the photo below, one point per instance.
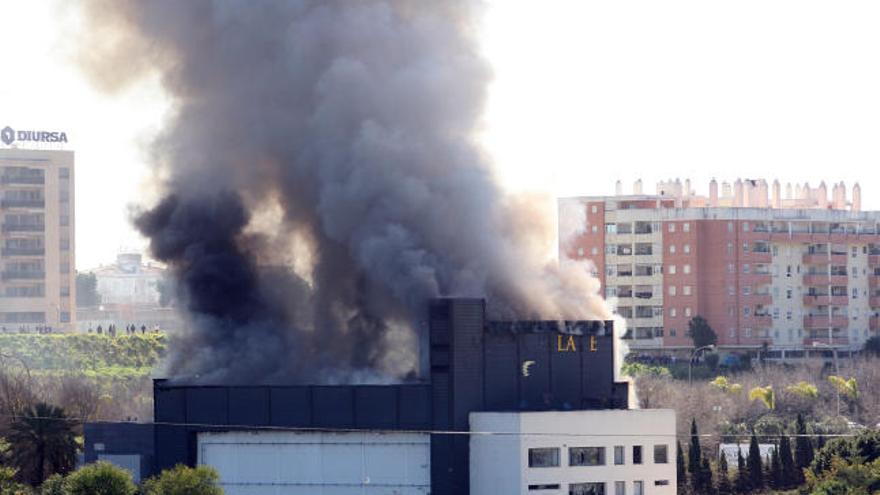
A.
x: 475, y: 365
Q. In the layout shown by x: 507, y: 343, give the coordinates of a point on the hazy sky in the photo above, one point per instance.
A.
x: 585, y: 93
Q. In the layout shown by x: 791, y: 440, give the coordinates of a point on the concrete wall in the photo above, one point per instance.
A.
x: 500, y: 461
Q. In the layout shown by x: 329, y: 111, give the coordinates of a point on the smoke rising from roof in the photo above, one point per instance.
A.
x: 337, y: 138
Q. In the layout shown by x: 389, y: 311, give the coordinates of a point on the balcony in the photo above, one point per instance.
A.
x: 825, y: 300
x: 23, y: 252
x: 823, y: 341
x: 874, y: 323
x: 824, y: 259
x: 874, y: 259
x: 9, y: 227
x: 763, y: 320
x: 18, y: 179
x: 825, y: 322
x: 23, y: 275
x: 823, y: 279
x: 22, y: 203
x: 873, y: 281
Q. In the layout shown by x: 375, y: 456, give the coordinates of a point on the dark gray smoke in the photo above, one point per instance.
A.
x: 337, y: 138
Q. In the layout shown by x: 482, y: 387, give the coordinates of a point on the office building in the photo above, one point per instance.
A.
x: 37, y: 287
x: 786, y: 268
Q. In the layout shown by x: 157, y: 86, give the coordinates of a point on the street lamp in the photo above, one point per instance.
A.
x: 693, y: 355
x: 836, y: 367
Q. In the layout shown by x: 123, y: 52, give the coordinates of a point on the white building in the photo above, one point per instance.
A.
x: 129, y: 281
x: 605, y: 452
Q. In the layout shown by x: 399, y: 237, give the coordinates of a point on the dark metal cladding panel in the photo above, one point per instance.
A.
x: 249, y: 406
x: 333, y: 407
x: 534, y: 390
x: 598, y: 377
x: 172, y: 447
x: 170, y: 405
x: 375, y: 407
x: 440, y: 399
x: 439, y: 317
x: 441, y: 466
x: 565, y: 369
x: 467, y: 360
x: 207, y: 405
x: 290, y: 406
x: 414, y: 407
x: 502, y: 371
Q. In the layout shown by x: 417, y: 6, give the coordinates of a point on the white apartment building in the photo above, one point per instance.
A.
x: 604, y: 452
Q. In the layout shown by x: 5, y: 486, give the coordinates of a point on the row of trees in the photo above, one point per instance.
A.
x: 785, y: 469
x: 103, y: 478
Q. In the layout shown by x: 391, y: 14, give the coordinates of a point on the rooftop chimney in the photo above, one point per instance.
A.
x: 713, y: 192
x: 857, y: 197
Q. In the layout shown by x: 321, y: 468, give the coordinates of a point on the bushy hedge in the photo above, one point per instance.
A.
x: 89, y: 353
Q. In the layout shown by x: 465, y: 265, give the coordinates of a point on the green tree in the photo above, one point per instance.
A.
x: 694, y: 457
x: 865, y: 447
x: 846, y: 478
x: 774, y: 471
x: 788, y: 470
x: 754, y: 465
x: 54, y: 485
x: 724, y: 485
x: 707, y: 484
x: 701, y: 333
x: 742, y: 474
x: 9, y: 485
x: 803, y: 449
x: 184, y: 480
x: 42, y: 442
x: 87, y: 290
x: 680, y: 470
x: 100, y: 478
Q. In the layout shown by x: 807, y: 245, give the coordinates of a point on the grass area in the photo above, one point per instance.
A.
x: 88, y: 354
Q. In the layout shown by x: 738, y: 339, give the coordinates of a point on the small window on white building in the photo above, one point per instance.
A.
x: 661, y: 454
x: 619, y: 455
x: 620, y: 488
x: 586, y: 456
x: 661, y: 483
x: 590, y: 488
x: 638, y: 488
x: 637, y: 454
x: 544, y: 457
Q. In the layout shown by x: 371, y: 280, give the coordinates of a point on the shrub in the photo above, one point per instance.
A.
x: 100, y: 478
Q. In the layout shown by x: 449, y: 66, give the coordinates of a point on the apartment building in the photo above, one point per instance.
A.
x: 37, y: 285
x: 788, y: 270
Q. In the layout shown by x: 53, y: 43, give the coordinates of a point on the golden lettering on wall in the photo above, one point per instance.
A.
x: 567, y: 346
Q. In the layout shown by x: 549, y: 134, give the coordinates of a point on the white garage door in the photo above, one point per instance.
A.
x: 293, y: 463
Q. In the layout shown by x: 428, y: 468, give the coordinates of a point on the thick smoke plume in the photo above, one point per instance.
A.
x: 322, y: 182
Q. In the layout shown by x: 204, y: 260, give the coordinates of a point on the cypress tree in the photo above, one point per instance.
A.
x: 803, y: 449
x: 680, y: 473
x: 754, y: 465
x: 724, y: 486
x: 787, y: 467
x: 694, y: 457
x: 706, y: 482
x: 742, y: 474
x: 774, y: 478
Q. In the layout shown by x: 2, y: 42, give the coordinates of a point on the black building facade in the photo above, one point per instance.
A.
x: 475, y: 365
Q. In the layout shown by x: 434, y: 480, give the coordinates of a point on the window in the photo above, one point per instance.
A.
x: 747, y: 290
x: 687, y: 290
x: 671, y: 227
x: 672, y: 249
x: 672, y: 312
x: 745, y: 226
x: 638, y: 488
x: 746, y: 311
x: 593, y: 488
x: 64, y: 173
x: 594, y: 250
x: 745, y: 246
x: 594, y: 209
x: 687, y: 269
x: 746, y: 268
x: 686, y: 227
x: 580, y: 252
x: 788, y: 293
x: 637, y: 454
x: 731, y: 291
x: 619, y: 455
x: 661, y: 483
x: 672, y: 269
x: 661, y: 454
x: 730, y: 268
x: 620, y: 488
x: 672, y: 290
x: 730, y: 226
x: 586, y: 456
x: 748, y: 333
x: 594, y: 228
x: 687, y: 248
x: 65, y: 290
x: 65, y: 317
x: 729, y: 248
x: 552, y: 486
x: 672, y: 332
x: 544, y: 457
x: 687, y: 311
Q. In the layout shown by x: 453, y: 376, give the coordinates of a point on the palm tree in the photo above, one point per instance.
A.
x: 42, y: 442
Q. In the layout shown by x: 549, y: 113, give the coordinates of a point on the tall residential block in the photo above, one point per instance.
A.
x: 37, y: 257
x: 786, y: 270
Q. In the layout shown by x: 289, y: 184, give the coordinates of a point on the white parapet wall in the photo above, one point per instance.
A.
x: 613, y: 452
